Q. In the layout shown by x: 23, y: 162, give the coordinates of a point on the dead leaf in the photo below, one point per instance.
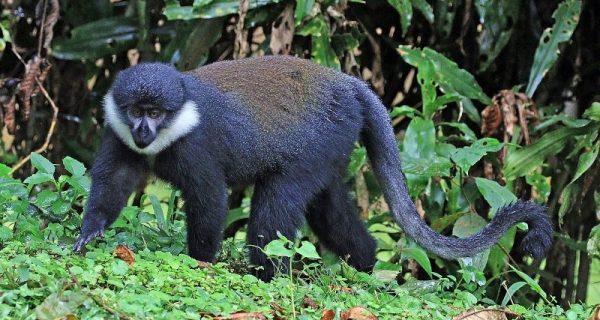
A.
x: 309, y: 303
x: 327, y: 315
x: 491, y: 119
x: 204, y: 264
x: 358, y: 313
x: 241, y: 47
x: 488, y: 314
x: 595, y: 315
x: 243, y: 316
x: 277, y: 311
x: 282, y: 31
x: 125, y: 254
x: 341, y: 289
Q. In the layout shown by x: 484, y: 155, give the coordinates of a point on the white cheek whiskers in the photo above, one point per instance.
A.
x: 186, y: 119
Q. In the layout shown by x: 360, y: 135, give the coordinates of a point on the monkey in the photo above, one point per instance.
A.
x: 288, y: 127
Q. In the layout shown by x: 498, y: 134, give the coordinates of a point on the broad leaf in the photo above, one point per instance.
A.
x: 97, y: 39
x: 42, y: 164
x: 566, y: 19
x: 74, y: 167
x: 404, y: 9
x: 496, y: 195
x: 522, y: 161
x: 420, y: 256
x: 448, y: 75
x: 497, y: 18
x: 466, y: 157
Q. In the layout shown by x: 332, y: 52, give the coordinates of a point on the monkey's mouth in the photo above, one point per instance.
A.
x: 142, y: 140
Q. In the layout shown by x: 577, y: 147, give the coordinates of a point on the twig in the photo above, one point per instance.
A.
x: 43, y: 24
x: 48, y: 135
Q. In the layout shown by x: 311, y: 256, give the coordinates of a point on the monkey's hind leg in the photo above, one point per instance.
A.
x: 334, y: 218
x: 278, y: 205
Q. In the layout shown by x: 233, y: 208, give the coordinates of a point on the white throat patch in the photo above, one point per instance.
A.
x: 185, y: 120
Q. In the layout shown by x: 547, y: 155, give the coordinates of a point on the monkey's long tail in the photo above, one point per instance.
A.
x: 383, y: 153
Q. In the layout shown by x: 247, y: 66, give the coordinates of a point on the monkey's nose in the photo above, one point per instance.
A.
x: 142, y: 138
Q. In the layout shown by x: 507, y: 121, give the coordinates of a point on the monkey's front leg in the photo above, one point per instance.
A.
x: 206, y: 210
x: 116, y: 173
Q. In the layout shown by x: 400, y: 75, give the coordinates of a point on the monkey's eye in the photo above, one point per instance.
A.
x: 136, y: 112
x: 154, y: 113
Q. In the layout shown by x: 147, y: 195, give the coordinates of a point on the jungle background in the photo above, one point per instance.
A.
x: 491, y: 100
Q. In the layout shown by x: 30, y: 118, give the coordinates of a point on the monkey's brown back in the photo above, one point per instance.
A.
x: 277, y: 90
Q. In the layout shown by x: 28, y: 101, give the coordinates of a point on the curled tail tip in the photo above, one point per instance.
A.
x: 538, y: 239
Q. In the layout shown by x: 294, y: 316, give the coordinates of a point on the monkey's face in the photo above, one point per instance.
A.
x: 144, y: 121
x: 148, y: 109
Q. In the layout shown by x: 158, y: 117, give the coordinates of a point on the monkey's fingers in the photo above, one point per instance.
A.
x: 82, y: 240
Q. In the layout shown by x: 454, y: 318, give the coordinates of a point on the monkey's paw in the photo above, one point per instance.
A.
x: 84, y: 238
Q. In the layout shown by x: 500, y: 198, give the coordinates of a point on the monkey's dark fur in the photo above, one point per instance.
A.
x: 285, y: 125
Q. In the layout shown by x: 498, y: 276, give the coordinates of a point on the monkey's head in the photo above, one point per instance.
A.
x: 147, y: 107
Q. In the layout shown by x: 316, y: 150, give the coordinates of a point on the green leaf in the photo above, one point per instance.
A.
x: 419, y: 140
x: 566, y: 19
x: 303, y: 9
x: 522, y: 161
x: 404, y: 9
x: 38, y: 178
x: 468, y: 134
x: 74, y: 167
x: 466, y: 157
x: 498, y: 259
x: 42, y: 164
x: 97, y: 39
x: 4, y: 170
x: 448, y: 75
x: 532, y: 283
x: 308, y: 250
x: 511, y: 291
x: 5, y: 233
x: 158, y: 212
x: 496, y: 195
x: 498, y: 19
x: 586, y: 160
x: 425, y: 8
x: 467, y: 225
x: 420, y: 256
x: 277, y: 248
x: 357, y: 160
x: 593, y: 112
x: 236, y: 215
x: 403, y: 111
x: 209, y: 9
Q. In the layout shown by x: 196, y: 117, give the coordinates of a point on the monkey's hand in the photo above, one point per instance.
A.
x: 93, y: 226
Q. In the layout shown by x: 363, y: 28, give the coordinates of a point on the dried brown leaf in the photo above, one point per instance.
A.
x: 340, y: 289
x: 487, y: 314
x: 327, y: 315
x: 309, y: 303
x: 277, y: 311
x: 204, y: 264
x: 358, y: 313
x: 52, y: 15
x: 282, y: 31
x: 125, y: 254
x: 491, y: 120
x: 241, y: 47
x: 9, y: 114
x: 243, y: 316
x: 595, y: 315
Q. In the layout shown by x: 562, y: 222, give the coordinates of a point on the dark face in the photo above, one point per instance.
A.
x: 145, y: 120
